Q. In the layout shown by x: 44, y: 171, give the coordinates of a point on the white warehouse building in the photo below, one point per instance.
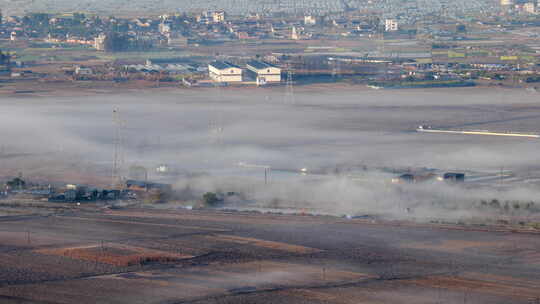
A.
x: 222, y: 71
x: 264, y: 72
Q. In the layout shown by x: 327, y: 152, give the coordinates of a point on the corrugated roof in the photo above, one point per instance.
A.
x: 221, y: 65
x: 259, y: 65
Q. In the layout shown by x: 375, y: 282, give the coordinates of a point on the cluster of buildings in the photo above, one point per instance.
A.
x: 181, y: 30
x: 259, y: 71
x: 523, y: 6
x: 325, y: 45
x: 214, y: 27
x: 131, y: 189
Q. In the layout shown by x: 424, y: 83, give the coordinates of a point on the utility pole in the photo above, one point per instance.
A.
x: 501, y: 177
x: 266, y: 169
x: 336, y: 68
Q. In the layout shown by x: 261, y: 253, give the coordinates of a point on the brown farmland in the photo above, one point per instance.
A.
x: 150, y: 256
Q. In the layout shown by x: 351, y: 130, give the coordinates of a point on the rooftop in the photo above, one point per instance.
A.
x: 223, y: 65
x: 259, y: 65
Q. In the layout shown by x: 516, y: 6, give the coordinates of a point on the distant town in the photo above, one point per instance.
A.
x: 410, y: 46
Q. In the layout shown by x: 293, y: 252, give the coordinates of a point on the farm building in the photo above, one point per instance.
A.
x: 264, y: 72
x: 222, y: 71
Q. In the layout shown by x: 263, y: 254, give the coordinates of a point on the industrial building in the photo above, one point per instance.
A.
x: 263, y: 72
x: 411, y: 178
x: 454, y: 177
x: 144, y: 186
x: 79, y: 70
x: 222, y: 71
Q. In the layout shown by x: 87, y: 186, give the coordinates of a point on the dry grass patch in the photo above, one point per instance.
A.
x: 117, y: 255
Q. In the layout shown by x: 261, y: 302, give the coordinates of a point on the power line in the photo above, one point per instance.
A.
x: 289, y: 87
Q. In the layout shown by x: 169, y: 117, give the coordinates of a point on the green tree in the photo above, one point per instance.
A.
x: 16, y: 184
x: 211, y: 199
x: 4, y: 58
x: 116, y: 42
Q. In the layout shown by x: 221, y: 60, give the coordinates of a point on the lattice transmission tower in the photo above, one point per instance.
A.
x: 289, y: 86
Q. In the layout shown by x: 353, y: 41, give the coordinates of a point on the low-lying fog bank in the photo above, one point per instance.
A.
x: 72, y: 139
x: 372, y: 196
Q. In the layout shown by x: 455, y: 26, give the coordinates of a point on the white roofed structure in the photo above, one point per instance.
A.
x: 223, y: 71
x: 264, y: 72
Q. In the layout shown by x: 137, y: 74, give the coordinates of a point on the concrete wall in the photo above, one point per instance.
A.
x: 271, y: 78
x: 225, y: 75
x: 226, y: 78
x: 271, y: 74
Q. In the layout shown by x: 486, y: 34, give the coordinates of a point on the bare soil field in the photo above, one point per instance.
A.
x: 115, y: 255
x: 153, y: 256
